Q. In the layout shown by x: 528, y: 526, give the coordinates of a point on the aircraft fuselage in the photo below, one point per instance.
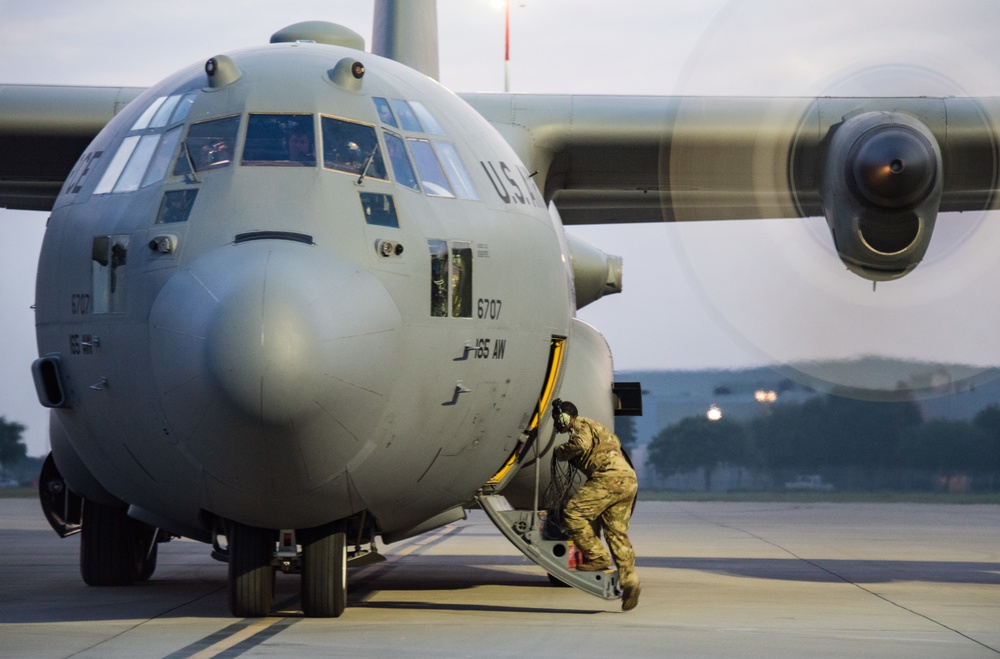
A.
x: 263, y: 314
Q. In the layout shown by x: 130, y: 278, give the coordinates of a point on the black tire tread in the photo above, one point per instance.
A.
x: 324, y: 591
x: 251, y: 577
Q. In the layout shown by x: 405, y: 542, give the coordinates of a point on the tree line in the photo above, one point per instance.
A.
x: 832, y: 432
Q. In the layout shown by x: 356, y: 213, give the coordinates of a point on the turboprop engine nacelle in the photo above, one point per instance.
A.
x: 881, y: 192
x: 595, y: 274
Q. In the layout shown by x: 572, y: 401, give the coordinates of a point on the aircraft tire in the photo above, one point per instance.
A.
x: 324, y: 572
x: 251, y: 577
x: 111, y: 546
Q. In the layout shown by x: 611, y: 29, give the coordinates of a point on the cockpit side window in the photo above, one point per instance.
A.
x: 133, y: 173
x: 176, y: 206
x: 401, y: 166
x: 164, y: 154
x: 182, y: 109
x: 165, y: 111
x: 431, y: 175
x: 413, y: 116
x: 352, y: 147
x: 144, y: 156
x: 280, y: 140
x: 427, y: 119
x: 143, y: 121
x: 384, y: 112
x: 209, y: 145
x: 118, y: 162
x: 407, y: 118
x: 457, y: 174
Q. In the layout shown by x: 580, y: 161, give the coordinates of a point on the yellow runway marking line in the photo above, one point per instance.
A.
x: 238, y: 637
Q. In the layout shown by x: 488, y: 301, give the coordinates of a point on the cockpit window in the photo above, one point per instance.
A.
x: 164, y: 111
x: 162, y: 115
x: 379, y: 209
x: 427, y: 119
x: 413, y: 116
x: 431, y: 175
x: 182, y: 109
x: 117, y: 164
x: 457, y: 174
x: 284, y: 140
x: 176, y: 205
x: 352, y: 147
x: 136, y: 168
x: 401, y: 166
x: 143, y: 121
x: 164, y: 154
x: 209, y: 145
x: 406, y: 116
x: 384, y: 112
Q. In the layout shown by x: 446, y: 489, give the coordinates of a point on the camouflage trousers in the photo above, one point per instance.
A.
x: 604, y: 502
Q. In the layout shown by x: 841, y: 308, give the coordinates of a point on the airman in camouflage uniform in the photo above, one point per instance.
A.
x: 606, y: 498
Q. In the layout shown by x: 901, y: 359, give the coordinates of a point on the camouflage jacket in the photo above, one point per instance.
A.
x: 593, y: 449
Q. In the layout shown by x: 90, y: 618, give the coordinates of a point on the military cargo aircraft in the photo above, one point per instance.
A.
x: 300, y: 296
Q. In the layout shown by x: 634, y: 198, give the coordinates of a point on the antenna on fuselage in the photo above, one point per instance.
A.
x: 406, y: 31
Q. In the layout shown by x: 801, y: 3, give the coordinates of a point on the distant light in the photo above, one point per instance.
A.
x: 714, y: 413
x: 762, y: 396
x: 499, y: 4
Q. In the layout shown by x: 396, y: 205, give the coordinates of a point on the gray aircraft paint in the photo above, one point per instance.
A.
x: 283, y: 384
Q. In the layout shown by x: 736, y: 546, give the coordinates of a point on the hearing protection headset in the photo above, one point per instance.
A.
x: 560, y: 415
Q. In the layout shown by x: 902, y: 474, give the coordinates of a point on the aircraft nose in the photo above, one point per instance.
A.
x: 277, y: 331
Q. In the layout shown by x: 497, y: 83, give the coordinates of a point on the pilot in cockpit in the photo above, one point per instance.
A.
x: 300, y: 148
x: 348, y: 157
x: 216, y: 154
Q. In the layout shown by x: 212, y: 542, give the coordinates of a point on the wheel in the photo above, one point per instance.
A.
x: 111, y: 546
x: 251, y: 577
x: 324, y: 572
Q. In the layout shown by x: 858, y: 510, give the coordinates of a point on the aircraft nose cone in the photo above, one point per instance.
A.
x: 276, y: 331
x: 263, y: 346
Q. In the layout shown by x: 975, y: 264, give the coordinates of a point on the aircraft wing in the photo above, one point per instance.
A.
x: 43, y: 130
x: 610, y: 159
x: 602, y: 159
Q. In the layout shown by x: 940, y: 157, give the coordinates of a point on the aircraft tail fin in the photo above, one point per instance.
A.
x: 406, y: 31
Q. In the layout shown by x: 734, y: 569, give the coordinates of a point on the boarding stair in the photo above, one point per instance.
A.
x: 541, y: 541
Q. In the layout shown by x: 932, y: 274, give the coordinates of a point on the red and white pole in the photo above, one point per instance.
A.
x: 506, y: 48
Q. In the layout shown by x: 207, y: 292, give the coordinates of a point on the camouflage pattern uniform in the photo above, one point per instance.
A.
x: 607, y: 496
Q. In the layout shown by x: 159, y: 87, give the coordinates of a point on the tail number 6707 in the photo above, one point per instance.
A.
x: 488, y: 309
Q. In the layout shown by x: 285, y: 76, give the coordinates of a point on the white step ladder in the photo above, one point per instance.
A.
x: 525, y: 529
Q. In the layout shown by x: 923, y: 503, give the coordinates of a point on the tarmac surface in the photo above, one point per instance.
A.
x: 718, y: 580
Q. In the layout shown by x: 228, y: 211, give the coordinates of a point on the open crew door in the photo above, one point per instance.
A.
x: 557, y: 349
x: 526, y: 529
